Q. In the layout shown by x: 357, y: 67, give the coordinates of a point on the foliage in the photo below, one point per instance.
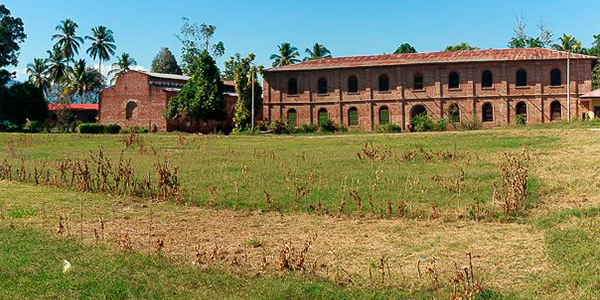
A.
x: 243, y: 72
x: 286, y: 55
x: 135, y: 129
x: 123, y: 65
x: 520, y: 120
x: 281, y: 127
x: 423, y: 122
x: 22, y: 102
x: 95, y: 128
x: 38, y: 74
x: 318, y: 51
x: 165, y: 62
x: 195, y: 39
x: 328, y: 125
x: 33, y: 126
x: 470, y: 123
x: 67, y: 40
x: 82, y: 79
x: 461, y: 46
x: 57, y: 65
x: 103, y: 45
x: 389, y: 128
x: 230, y: 65
x: 568, y: 43
x: 522, y: 40
x: 201, y: 98
x: 12, y: 33
x: 308, y: 128
x: 405, y: 48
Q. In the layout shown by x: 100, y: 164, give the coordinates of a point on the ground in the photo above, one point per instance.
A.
x: 221, y: 225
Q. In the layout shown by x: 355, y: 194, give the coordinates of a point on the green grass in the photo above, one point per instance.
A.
x: 242, y: 168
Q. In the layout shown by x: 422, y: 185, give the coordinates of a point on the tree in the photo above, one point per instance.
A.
x: 318, y: 51
x: 522, y: 40
x: 103, y: 45
x: 243, y: 73
x: 38, y: 74
x: 230, y: 65
x: 12, y: 33
x: 461, y: 46
x: 57, y: 65
x: 201, y: 98
x: 195, y: 39
x: 405, y: 48
x: 286, y: 56
x: 22, y: 101
x: 165, y: 62
x: 568, y: 43
x: 123, y: 65
x: 82, y: 79
x: 595, y: 50
x: 68, y: 41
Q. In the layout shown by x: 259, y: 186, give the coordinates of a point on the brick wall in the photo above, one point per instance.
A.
x: 436, y: 96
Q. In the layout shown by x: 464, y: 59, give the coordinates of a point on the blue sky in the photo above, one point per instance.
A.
x: 346, y: 27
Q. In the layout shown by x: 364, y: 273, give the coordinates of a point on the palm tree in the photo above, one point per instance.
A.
x: 38, y: 74
x: 68, y: 41
x: 82, y: 79
x: 103, y: 45
x: 568, y: 43
x: 123, y: 65
x: 287, y: 55
x: 57, y: 65
x: 318, y: 51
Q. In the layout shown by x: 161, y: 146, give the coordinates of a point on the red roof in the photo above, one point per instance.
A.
x: 53, y: 107
x: 592, y: 94
x: 431, y: 58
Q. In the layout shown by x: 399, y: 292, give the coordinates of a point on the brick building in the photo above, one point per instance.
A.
x: 493, y: 86
x: 140, y: 98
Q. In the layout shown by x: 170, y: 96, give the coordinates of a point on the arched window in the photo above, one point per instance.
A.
x: 323, y: 116
x: 384, y: 83
x: 292, y: 86
x: 130, y: 110
x: 521, y: 78
x: 352, y: 84
x: 417, y: 110
x: 454, y: 113
x: 418, y: 81
x: 555, y: 111
x: 353, y: 116
x: 322, y: 86
x: 521, y: 112
x: 453, y: 81
x: 487, y: 112
x: 292, y: 117
x: 384, y: 115
x: 555, y: 77
x: 487, y: 79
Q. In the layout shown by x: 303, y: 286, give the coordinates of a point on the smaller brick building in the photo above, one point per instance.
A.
x: 140, y: 99
x: 86, y: 113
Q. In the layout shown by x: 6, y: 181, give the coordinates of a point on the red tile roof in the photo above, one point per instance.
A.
x: 592, y: 94
x: 53, y: 107
x: 431, y: 58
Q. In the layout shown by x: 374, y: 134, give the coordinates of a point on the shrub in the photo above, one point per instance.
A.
x: 470, y: 124
x: 8, y: 126
x: 135, y: 129
x: 390, y: 127
x: 423, y: 122
x: 33, y: 126
x: 520, y: 120
x: 307, y: 128
x: 328, y: 126
x: 112, y: 128
x: 91, y: 128
x: 74, y: 125
x: 281, y: 127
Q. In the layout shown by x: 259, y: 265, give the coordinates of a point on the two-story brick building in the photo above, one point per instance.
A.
x: 493, y: 86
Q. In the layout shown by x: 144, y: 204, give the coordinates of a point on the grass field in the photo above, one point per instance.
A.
x: 245, y: 199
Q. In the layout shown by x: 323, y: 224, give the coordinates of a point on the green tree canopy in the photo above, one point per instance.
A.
x: 103, y: 44
x: 318, y: 51
x: 22, y: 101
x: 461, y: 46
x: 82, y: 79
x: 230, y: 65
x: 405, y: 48
x: 57, y: 65
x: 568, y: 43
x: 243, y: 72
x: 201, y: 98
x: 122, y: 66
x: 286, y: 55
x: 12, y: 33
x: 196, y: 38
x: 520, y: 38
x: 67, y: 39
x: 165, y: 62
x: 38, y: 74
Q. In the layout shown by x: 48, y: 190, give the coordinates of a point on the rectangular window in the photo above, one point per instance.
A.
x: 353, y: 117
x: 384, y: 116
x: 323, y: 117
x: 292, y: 118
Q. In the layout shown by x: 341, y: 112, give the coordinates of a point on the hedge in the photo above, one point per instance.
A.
x: 94, y: 128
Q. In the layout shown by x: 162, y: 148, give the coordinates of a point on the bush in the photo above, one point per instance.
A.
x: 33, y: 126
x: 307, y: 128
x: 328, y: 126
x: 520, y: 120
x: 8, y: 126
x: 423, y: 122
x: 281, y: 127
x: 74, y: 125
x: 91, y: 128
x: 135, y: 129
x: 112, y: 128
x: 470, y: 124
x: 390, y: 128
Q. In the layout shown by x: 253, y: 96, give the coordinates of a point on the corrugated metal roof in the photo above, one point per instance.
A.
x: 168, y: 76
x: 592, y: 94
x: 432, y: 58
x: 73, y: 106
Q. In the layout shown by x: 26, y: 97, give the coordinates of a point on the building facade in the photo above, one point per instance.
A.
x: 493, y: 86
x: 86, y: 113
x: 140, y: 99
